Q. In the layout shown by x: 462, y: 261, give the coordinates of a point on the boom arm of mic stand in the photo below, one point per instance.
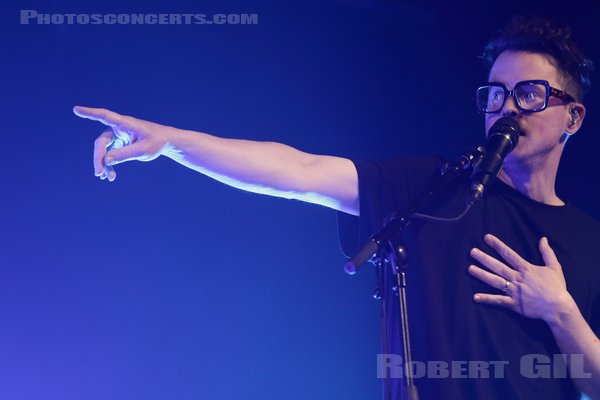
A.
x: 396, y: 224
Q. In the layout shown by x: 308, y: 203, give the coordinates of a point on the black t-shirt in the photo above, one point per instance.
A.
x: 474, y: 351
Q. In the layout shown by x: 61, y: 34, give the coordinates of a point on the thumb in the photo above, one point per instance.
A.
x: 128, y: 153
x: 107, y: 117
x: 548, y: 254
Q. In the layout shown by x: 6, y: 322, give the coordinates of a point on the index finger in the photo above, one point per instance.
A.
x: 105, y: 116
x: 508, y: 254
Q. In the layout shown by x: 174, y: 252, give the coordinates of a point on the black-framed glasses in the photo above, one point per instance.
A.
x: 530, y: 96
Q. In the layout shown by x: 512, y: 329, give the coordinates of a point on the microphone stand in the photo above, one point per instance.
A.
x: 383, y: 246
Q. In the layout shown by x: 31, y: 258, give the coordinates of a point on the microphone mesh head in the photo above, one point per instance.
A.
x: 507, y: 126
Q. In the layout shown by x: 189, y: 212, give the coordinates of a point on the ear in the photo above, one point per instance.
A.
x: 576, y: 116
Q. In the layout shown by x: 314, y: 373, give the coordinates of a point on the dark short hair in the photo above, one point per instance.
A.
x: 544, y: 36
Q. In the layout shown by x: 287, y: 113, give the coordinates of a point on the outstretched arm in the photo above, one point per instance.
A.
x: 260, y: 167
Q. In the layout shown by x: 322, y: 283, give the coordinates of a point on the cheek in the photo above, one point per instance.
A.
x: 541, y: 126
x: 549, y: 121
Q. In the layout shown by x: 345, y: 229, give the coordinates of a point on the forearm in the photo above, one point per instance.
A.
x: 244, y: 164
x: 267, y: 168
x: 574, y: 336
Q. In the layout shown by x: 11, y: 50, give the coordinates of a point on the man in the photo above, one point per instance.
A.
x: 539, y: 255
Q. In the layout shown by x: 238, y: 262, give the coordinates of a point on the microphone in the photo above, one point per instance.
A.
x: 502, y: 139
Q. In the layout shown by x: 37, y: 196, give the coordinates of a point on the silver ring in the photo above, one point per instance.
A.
x: 117, y: 143
x: 506, y: 285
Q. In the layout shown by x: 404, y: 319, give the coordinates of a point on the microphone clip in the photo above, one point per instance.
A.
x: 470, y: 158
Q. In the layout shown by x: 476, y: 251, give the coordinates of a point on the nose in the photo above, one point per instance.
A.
x: 510, y: 108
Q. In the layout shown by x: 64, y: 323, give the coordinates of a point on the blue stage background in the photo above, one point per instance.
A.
x: 167, y: 285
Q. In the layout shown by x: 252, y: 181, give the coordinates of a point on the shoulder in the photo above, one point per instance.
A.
x: 583, y: 221
x: 582, y: 230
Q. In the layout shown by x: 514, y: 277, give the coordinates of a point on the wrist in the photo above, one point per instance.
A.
x: 565, y: 308
x: 176, y: 141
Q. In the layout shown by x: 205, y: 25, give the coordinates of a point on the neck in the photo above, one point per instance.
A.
x: 535, y: 180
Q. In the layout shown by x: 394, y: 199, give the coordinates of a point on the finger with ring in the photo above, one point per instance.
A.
x: 506, y: 286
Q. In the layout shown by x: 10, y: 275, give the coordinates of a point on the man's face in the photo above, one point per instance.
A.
x: 542, y: 131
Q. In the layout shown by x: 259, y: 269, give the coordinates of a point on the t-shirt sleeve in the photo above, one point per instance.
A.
x: 385, y: 187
